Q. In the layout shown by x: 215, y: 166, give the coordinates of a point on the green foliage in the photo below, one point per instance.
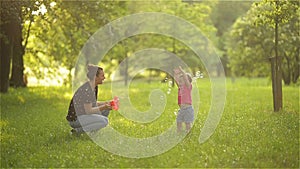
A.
x: 224, y: 14
x: 35, y: 134
x: 57, y: 38
x: 251, y: 40
x: 275, y: 11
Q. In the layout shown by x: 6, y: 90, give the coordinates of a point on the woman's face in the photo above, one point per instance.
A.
x: 99, y: 79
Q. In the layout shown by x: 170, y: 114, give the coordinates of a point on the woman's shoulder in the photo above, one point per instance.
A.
x: 84, y: 87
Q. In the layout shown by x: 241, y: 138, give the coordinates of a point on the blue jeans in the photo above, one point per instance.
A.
x: 90, y: 122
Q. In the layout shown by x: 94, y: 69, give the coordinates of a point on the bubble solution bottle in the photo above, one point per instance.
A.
x: 115, y: 103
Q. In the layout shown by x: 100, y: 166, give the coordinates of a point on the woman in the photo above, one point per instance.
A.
x: 85, y: 113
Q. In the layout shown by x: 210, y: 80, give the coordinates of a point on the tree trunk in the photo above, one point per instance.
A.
x: 274, y: 84
x: 286, y: 77
x: 286, y: 73
x: 6, y: 39
x: 278, y: 68
x: 126, y: 71
x: 125, y: 68
x: 17, y: 76
x: 5, y: 52
x: 296, y: 70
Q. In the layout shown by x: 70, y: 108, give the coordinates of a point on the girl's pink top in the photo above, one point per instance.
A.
x: 185, y: 94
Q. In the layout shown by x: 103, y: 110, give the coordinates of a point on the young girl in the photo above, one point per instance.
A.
x: 186, y: 111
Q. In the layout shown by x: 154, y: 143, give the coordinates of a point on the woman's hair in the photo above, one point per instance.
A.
x: 93, y: 71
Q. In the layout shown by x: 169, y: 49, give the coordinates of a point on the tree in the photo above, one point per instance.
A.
x: 251, y: 41
x: 14, y: 38
x: 223, y: 17
x: 196, y: 13
x: 58, y: 37
x: 62, y: 33
x: 11, y: 39
x: 270, y: 30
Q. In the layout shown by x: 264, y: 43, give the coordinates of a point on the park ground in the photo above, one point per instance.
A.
x: 34, y: 132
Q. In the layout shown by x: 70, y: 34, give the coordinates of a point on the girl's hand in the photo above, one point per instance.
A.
x: 181, y: 70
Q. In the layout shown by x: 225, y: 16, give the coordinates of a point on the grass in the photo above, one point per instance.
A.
x: 34, y: 132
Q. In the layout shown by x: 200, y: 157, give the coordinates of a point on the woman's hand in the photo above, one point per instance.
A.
x: 107, y: 106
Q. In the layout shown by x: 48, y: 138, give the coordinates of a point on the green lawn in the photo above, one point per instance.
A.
x: 34, y: 132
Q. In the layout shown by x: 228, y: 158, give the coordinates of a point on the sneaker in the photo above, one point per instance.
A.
x: 73, y: 132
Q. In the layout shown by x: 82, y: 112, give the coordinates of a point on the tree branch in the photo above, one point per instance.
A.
x: 27, y: 35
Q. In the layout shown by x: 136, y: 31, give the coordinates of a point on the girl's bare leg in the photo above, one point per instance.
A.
x: 179, y: 127
x: 188, y: 127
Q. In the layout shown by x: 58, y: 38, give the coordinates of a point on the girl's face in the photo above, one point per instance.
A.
x: 179, y: 78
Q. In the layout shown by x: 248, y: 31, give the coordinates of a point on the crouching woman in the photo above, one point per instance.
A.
x: 85, y: 113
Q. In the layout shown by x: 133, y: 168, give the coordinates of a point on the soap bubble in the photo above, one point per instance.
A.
x: 161, y: 97
x: 170, y: 83
x: 169, y: 91
x: 201, y: 75
x: 198, y: 75
x: 165, y: 80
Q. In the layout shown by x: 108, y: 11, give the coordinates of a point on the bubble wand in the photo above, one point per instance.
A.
x: 115, y: 103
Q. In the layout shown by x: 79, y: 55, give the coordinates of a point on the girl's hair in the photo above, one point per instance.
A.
x: 189, y: 76
x: 93, y: 70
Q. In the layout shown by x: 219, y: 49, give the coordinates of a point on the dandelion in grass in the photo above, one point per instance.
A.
x: 175, y: 112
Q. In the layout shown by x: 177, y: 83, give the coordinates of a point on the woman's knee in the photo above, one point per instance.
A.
x: 105, y: 121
